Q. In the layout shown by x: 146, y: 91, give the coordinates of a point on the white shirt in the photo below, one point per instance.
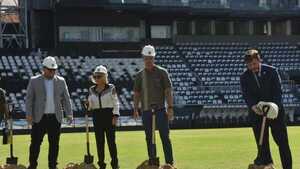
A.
x: 109, y: 99
x: 49, y: 86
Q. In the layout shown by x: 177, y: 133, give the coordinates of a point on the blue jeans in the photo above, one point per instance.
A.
x: 162, y: 124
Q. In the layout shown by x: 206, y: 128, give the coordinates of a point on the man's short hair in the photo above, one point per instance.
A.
x: 251, y: 54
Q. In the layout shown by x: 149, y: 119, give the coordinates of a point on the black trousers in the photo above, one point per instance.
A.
x: 51, y: 126
x: 280, y: 136
x: 103, y: 129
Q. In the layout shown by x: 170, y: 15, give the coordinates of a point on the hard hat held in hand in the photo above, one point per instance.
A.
x: 148, y: 50
x: 50, y: 62
x: 270, y: 107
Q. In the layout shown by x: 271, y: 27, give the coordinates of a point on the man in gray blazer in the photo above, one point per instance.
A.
x: 47, y: 94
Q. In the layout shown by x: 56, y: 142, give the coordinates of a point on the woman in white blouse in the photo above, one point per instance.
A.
x: 104, y: 105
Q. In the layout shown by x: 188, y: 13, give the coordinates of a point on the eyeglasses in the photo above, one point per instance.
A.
x: 97, y: 76
x: 51, y: 70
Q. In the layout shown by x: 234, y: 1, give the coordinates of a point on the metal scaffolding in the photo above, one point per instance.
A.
x: 13, y: 24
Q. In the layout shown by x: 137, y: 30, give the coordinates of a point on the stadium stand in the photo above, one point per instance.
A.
x: 203, y: 73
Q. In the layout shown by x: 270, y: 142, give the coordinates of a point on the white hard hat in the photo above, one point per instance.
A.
x: 100, y: 69
x: 50, y: 63
x: 148, y: 50
x: 270, y: 107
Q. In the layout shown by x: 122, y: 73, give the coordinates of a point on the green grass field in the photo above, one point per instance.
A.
x: 193, y: 149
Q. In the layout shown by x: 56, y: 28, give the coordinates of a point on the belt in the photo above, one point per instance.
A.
x: 156, y: 110
x: 49, y: 114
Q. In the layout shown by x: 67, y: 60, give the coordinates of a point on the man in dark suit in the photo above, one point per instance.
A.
x: 261, y: 82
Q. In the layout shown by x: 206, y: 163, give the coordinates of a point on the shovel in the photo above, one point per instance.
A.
x: 11, y: 159
x: 154, y: 160
x: 88, y: 158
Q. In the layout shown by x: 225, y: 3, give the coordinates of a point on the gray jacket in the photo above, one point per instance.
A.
x: 36, y: 98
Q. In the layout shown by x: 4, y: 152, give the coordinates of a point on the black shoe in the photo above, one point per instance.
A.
x: 115, y: 165
x: 102, y: 166
x: 30, y: 167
